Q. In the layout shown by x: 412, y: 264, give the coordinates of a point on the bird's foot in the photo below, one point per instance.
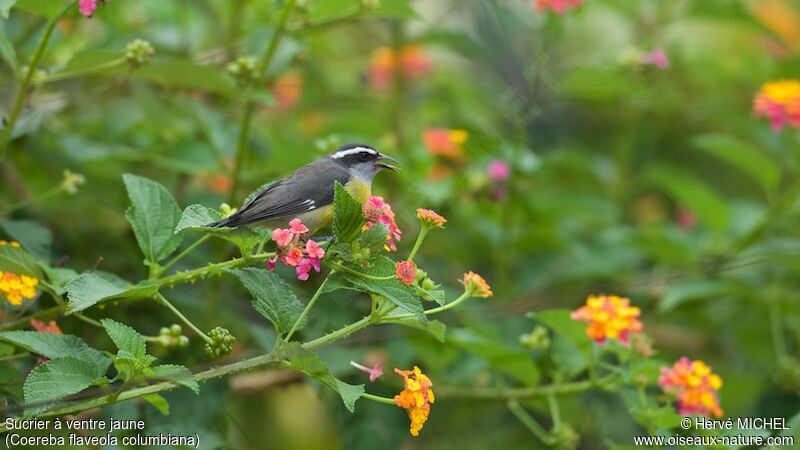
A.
x: 327, y: 239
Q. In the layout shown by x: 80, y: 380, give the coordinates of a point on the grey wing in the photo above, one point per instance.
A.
x: 309, y: 188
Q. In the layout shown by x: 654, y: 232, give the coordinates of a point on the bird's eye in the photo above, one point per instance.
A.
x: 364, y: 156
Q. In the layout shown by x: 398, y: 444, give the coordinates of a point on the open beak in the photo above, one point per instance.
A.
x: 381, y: 162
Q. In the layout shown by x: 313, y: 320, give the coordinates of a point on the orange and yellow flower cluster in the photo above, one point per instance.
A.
x: 411, y: 62
x: 476, y: 286
x: 779, y: 101
x: 416, y: 397
x: 17, y: 287
x: 694, y: 386
x: 430, y: 219
x: 609, y: 317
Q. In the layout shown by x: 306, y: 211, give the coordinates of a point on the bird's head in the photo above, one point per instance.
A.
x: 362, y: 161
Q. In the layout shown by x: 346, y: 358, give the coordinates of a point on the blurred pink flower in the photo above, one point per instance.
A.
x: 686, y: 219
x: 557, y: 6
x: 87, y: 7
x: 779, y: 101
x: 499, y: 170
x: 657, y: 57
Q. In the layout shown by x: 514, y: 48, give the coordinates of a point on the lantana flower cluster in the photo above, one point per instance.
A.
x: 411, y: 62
x: 293, y: 251
x: 376, y: 210
x: 88, y: 7
x: 446, y: 142
x: 17, y: 287
x: 557, y: 6
x: 609, y: 317
x: 694, y: 386
x: 779, y: 101
x: 416, y: 397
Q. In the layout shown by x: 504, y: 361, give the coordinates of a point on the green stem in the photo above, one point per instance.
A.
x: 183, y: 318
x: 431, y: 311
x: 361, y: 274
x: 247, y: 118
x: 338, y: 334
x: 308, y: 307
x: 529, y: 422
x: 776, y: 327
x: 555, y: 411
x: 119, y: 62
x: 526, y: 392
x: 34, y: 199
x: 418, y: 243
x: 88, y: 320
x: 180, y: 255
x: 379, y: 399
x: 25, y: 84
x: 211, y: 269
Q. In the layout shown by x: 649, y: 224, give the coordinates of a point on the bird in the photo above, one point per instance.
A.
x: 307, y: 194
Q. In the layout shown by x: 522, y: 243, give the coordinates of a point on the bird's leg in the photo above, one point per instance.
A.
x: 328, y: 239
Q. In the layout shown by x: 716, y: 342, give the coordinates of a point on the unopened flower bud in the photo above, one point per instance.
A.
x: 221, y: 342
x: 538, y: 339
x: 72, y: 181
x: 138, y: 52
x: 244, y: 70
x: 175, y: 330
x: 183, y: 341
x: 566, y: 438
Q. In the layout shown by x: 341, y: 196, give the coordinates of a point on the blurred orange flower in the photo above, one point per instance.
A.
x: 17, y: 287
x: 288, y: 89
x: 49, y: 327
x: 476, y: 286
x: 779, y: 101
x: 609, y: 317
x: 694, y: 386
x: 430, y: 218
x: 412, y: 62
x: 416, y: 397
x: 444, y: 142
x: 782, y: 18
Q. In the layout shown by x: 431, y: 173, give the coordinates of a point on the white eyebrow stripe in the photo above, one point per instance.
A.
x: 353, y: 151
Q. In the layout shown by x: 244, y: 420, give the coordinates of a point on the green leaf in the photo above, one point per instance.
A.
x: 329, y: 10
x: 272, y: 297
x: 177, y: 374
x: 744, y: 156
x: 5, y: 7
x: 129, y: 367
x: 187, y: 75
x: 91, y: 288
x: 692, y: 192
x: 196, y: 217
x: 375, y: 238
x: 560, y: 321
x: 125, y: 338
x: 7, y: 52
x: 511, y: 360
x: 153, y: 216
x: 19, y: 261
x: 678, y: 292
x: 158, y: 402
x: 58, y: 346
x: 59, y: 277
x: 349, y: 215
x: 31, y: 236
x: 46, y: 8
x: 436, y: 328
x: 393, y: 290
x: 298, y: 358
x: 54, y: 380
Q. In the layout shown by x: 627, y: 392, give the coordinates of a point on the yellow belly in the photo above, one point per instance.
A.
x: 322, y: 217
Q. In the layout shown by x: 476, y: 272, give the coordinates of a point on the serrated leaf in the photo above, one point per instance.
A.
x: 272, y: 297
x: 158, y: 402
x: 393, y: 290
x: 196, y: 217
x: 31, y: 235
x: 58, y: 346
x: 153, y: 216
x: 743, y: 155
x: 298, y: 358
x: 375, y: 238
x: 19, y: 261
x: 128, y: 366
x: 125, y: 338
x: 177, y: 374
x: 55, y: 380
x: 348, y: 214
x: 91, y: 288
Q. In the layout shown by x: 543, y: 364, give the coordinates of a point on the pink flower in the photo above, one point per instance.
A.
x: 378, y: 211
x: 499, y: 170
x: 779, y: 101
x: 87, y: 7
x: 303, y: 269
x: 657, y: 58
x: 282, y: 237
x: 293, y: 257
x: 686, y: 219
x: 406, y: 272
x: 557, y: 6
x: 314, y: 251
x: 271, y: 263
x: 374, y: 373
x: 297, y: 227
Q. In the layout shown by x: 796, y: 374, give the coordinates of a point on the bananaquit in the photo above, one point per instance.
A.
x: 307, y: 194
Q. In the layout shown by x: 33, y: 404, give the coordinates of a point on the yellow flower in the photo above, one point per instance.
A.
x: 416, y: 397
x: 609, y: 317
x: 430, y: 218
x: 16, y: 287
x: 476, y: 286
x: 694, y: 385
x: 779, y: 101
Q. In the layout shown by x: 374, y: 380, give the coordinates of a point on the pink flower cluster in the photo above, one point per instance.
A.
x: 293, y: 252
x: 376, y: 210
x: 557, y: 6
x: 88, y: 7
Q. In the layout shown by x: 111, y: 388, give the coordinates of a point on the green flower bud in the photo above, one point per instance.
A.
x: 221, y: 342
x: 175, y: 330
x: 244, y: 70
x: 164, y: 331
x: 138, y: 52
x: 538, y: 339
x: 72, y: 181
x: 566, y: 438
x: 183, y: 341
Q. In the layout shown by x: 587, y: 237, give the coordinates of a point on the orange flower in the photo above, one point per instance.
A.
x: 779, y: 101
x: 476, y: 286
x: 17, y: 287
x: 42, y: 327
x: 430, y: 218
x: 694, y: 386
x: 288, y: 89
x: 406, y: 272
x: 416, y: 397
x: 609, y: 317
x: 444, y: 142
x: 412, y: 62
